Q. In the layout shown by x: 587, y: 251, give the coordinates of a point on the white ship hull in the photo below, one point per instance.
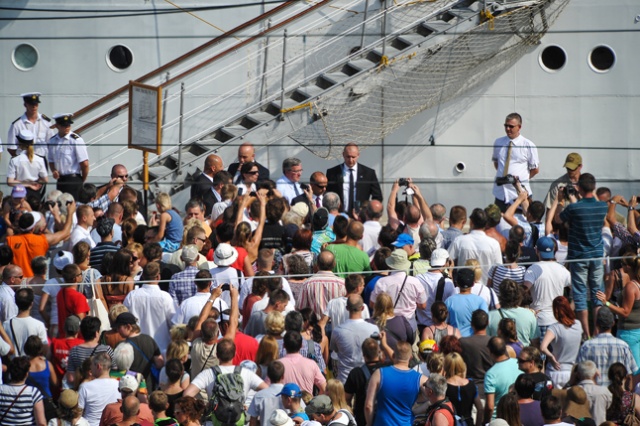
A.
x: 572, y: 109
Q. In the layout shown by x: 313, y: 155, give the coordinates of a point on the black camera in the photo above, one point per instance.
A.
x: 403, y: 182
x: 570, y: 190
x: 506, y: 180
x: 226, y: 287
x: 50, y: 204
x: 304, y: 186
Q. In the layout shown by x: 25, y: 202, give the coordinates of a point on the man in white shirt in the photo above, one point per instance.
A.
x: 372, y: 227
x: 430, y: 280
x: 11, y: 280
x: 289, y: 183
x: 82, y: 230
x: 477, y: 245
x: 23, y: 325
x: 193, y: 305
x: 96, y: 394
x: 547, y: 280
x: 337, y: 308
x: 152, y: 306
x: 513, y: 155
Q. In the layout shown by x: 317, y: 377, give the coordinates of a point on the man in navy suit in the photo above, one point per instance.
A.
x: 202, y: 188
x: 353, y: 182
x: 246, y: 153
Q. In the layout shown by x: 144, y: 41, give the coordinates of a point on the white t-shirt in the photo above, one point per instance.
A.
x: 81, y: 422
x: 548, y: 281
x: 479, y: 289
x: 337, y: 311
x: 94, y: 396
x: 206, y: 379
x: 24, y: 327
x: 52, y: 287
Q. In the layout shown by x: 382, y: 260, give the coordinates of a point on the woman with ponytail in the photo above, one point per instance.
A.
x: 27, y: 169
x: 624, y: 401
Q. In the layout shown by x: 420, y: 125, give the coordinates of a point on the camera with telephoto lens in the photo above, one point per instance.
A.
x: 506, y: 180
x: 403, y: 182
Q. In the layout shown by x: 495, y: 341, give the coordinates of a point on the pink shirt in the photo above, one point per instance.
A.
x: 318, y: 290
x: 412, y: 294
x: 302, y: 371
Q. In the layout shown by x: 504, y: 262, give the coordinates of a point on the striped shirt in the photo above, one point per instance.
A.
x: 604, y: 350
x: 183, y: 285
x: 586, y: 218
x: 318, y: 290
x: 21, y: 413
x: 501, y: 272
x: 78, y: 354
x: 98, y: 252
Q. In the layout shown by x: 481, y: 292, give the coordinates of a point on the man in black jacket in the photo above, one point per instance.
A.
x: 202, y: 188
x: 353, y: 182
x: 247, y: 153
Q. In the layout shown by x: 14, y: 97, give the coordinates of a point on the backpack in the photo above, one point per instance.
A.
x: 457, y: 420
x: 352, y: 420
x: 227, y: 402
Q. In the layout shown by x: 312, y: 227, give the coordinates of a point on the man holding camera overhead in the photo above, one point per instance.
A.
x: 514, y: 157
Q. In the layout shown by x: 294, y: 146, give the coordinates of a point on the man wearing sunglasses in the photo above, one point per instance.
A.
x: 513, y: 156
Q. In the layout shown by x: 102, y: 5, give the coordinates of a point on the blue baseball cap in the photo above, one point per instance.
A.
x: 291, y: 390
x: 546, y: 247
x: 403, y: 240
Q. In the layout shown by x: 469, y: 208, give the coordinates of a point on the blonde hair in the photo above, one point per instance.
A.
x: 274, y: 323
x: 116, y: 310
x: 382, y: 309
x: 229, y: 192
x: 454, y: 365
x: 335, y: 391
x: 178, y: 332
x: 164, y: 201
x: 136, y: 248
x: 435, y: 363
x: 477, y: 271
x: 178, y: 349
x: 268, y: 350
x: 28, y: 147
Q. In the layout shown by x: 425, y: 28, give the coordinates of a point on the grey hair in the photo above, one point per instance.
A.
x: 103, y: 359
x: 428, y: 229
x: 331, y: 201
x: 438, y: 384
x: 587, y: 370
x: 123, y: 356
x: 289, y: 163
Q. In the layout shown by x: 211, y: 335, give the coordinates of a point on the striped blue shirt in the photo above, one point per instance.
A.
x: 586, y: 218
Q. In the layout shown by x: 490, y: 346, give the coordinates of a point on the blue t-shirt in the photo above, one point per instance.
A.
x: 586, y: 218
x: 499, y: 379
x: 173, y: 230
x: 397, y: 393
x: 460, y: 307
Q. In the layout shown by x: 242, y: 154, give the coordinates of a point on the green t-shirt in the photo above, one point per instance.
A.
x: 349, y: 259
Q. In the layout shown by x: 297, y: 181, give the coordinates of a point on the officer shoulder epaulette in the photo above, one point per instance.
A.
x: 45, y: 117
x: 16, y: 120
x: 75, y: 135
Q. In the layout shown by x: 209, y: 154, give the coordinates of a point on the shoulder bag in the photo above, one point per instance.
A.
x: 96, y: 308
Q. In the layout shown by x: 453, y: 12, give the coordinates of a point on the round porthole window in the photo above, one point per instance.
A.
x: 602, y: 59
x: 24, y: 57
x: 119, y: 58
x: 553, y: 58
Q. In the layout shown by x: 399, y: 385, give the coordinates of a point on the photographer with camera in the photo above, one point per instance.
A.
x: 514, y: 157
x: 586, y: 218
x: 415, y: 214
x: 566, y: 182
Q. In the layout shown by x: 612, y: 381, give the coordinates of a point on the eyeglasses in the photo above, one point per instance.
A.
x: 509, y: 126
x: 319, y: 186
x: 296, y: 171
x: 134, y: 258
x: 252, y: 173
x: 21, y: 276
x: 520, y: 360
x: 201, y: 239
x: 79, y: 275
x: 123, y: 176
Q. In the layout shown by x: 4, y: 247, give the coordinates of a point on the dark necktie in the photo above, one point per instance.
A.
x: 295, y: 188
x: 352, y: 190
x: 239, y: 178
x: 318, y: 202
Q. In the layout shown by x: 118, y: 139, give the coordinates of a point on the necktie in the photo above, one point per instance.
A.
x: 238, y: 179
x: 505, y: 171
x: 352, y: 190
x: 318, y: 202
x: 295, y: 188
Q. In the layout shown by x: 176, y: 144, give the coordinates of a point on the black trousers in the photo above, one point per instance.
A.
x: 70, y: 184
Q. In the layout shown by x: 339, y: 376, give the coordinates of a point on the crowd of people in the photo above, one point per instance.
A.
x: 279, y: 303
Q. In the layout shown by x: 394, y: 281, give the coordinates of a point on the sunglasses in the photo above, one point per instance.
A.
x: 509, y: 126
x: 123, y: 176
x: 520, y: 360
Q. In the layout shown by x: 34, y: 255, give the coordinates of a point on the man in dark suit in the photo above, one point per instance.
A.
x: 202, y: 189
x: 353, y: 182
x: 246, y: 153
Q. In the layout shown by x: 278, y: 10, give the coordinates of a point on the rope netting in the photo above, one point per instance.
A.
x: 368, y: 108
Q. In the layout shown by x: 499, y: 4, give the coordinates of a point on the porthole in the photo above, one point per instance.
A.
x: 602, y: 59
x: 553, y: 58
x: 24, y: 57
x: 119, y: 58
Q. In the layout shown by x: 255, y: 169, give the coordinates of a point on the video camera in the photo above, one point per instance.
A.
x: 506, y: 180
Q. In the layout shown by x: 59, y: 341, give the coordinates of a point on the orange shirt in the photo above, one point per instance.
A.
x: 25, y: 247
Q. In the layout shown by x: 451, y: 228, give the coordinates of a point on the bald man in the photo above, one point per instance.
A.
x: 349, y: 256
x: 314, y: 195
x: 352, y: 181
x: 202, y: 189
x: 247, y: 153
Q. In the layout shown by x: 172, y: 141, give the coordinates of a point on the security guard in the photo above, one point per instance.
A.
x: 36, y: 123
x: 68, y: 158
